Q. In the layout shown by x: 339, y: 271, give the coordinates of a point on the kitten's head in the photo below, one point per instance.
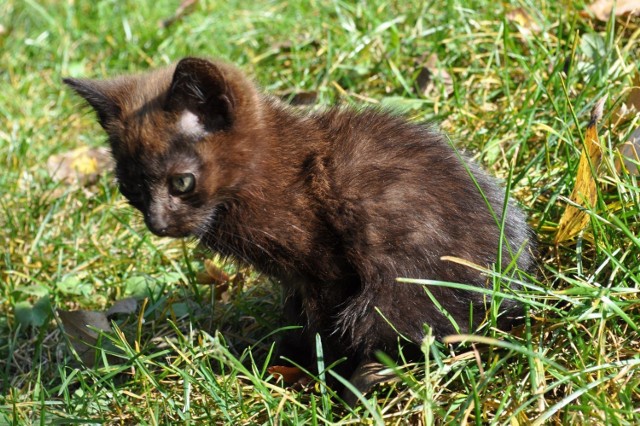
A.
x: 182, y: 138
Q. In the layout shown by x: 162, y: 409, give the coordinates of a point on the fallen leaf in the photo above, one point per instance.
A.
x: 429, y: 74
x: 629, y: 150
x: 602, y: 8
x: 630, y: 154
x: 633, y: 101
x: 289, y: 375
x: 124, y: 306
x: 584, y: 192
x: 631, y: 105
x: 77, y: 325
x: 186, y: 7
x: 81, y: 166
x: 214, y: 275
x: 203, y: 277
x: 526, y: 25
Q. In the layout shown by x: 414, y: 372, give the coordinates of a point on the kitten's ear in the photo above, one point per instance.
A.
x: 98, y: 94
x: 200, y: 87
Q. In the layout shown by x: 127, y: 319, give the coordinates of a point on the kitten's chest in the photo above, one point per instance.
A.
x: 285, y: 237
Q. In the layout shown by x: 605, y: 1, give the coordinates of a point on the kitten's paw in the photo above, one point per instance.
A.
x: 364, y: 378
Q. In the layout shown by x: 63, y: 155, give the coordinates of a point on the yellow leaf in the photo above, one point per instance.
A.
x: 523, y: 20
x: 82, y: 166
x: 585, y: 192
x: 85, y: 165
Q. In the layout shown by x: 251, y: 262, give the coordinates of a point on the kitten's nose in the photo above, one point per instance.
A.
x: 156, y: 224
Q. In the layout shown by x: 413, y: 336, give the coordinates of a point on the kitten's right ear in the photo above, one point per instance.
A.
x: 200, y: 87
x: 97, y: 94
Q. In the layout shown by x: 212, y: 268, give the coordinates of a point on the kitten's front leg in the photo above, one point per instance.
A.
x: 298, y: 345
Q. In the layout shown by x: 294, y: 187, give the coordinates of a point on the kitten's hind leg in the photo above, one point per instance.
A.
x: 364, y: 378
x: 294, y: 345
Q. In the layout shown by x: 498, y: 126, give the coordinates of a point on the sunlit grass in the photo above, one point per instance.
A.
x: 518, y: 101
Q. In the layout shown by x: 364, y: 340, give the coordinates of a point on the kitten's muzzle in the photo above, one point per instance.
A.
x: 160, y: 226
x: 157, y: 224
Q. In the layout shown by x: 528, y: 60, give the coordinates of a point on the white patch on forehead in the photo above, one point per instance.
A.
x: 190, y: 126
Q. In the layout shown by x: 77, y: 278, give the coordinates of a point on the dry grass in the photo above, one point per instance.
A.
x: 518, y: 99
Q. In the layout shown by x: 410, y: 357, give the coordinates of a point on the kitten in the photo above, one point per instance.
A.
x: 335, y: 205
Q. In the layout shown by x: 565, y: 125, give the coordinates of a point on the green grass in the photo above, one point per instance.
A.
x: 519, y: 103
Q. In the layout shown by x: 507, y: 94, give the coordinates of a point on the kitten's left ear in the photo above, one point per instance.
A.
x: 200, y: 87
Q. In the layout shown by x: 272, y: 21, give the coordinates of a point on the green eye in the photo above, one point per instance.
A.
x: 183, y: 183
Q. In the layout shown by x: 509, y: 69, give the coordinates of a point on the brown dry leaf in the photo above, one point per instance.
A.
x: 223, y: 292
x: 584, y: 192
x: 186, y: 7
x: 628, y: 151
x: 76, y: 326
x: 602, y: 8
x: 124, y: 306
x: 214, y: 275
x: 203, y: 277
x: 429, y: 73
x: 525, y: 23
x: 631, y: 105
x: 82, y: 166
x: 288, y: 374
x: 630, y: 154
x: 633, y: 101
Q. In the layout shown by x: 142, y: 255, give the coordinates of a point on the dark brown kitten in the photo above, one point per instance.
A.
x: 335, y: 205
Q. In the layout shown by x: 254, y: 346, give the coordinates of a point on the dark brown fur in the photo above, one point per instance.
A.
x: 336, y: 205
